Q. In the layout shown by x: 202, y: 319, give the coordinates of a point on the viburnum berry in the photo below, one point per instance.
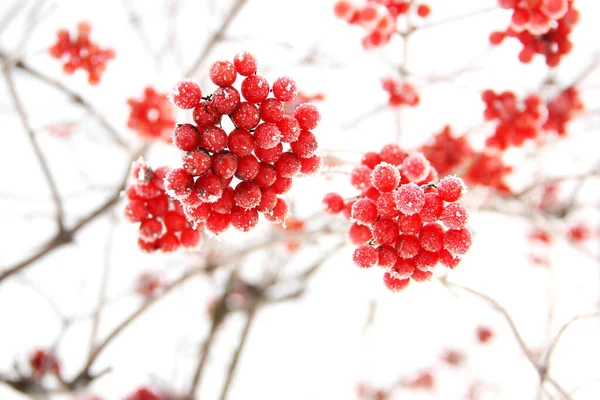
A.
x: 451, y: 188
x: 245, y: 63
x: 364, y: 211
x: 240, y: 142
x: 282, y: 185
x: 385, y: 231
x: 416, y: 167
x: 213, y: 139
x: 178, y: 183
x: 306, y: 144
x: 247, y: 195
x: 246, y: 116
x: 222, y: 73
x: 386, y: 205
x: 271, y: 110
x: 288, y: 165
x: 408, y: 246
x: 285, y: 90
x: 423, y: 10
x: 431, y: 237
x: 225, y: 203
x: 447, y: 259
x: 151, y: 116
x: 217, y: 223
x: 255, y: 89
x: 426, y: 260
x: 333, y: 203
x: 269, y: 155
x: 226, y: 100
x: 386, y: 256
x: 310, y: 165
x: 410, y: 199
x: 209, y: 188
x: 308, y: 116
x: 393, y: 154
x: 186, y: 137
x: 289, y: 128
x: 484, y: 334
x: 278, y: 214
x: 421, y: 275
x: 457, y: 241
x: 248, y: 168
x: 433, y: 207
x: 224, y: 164
x: 267, y: 135
x: 359, y: 234
x: 244, y: 219
x: 168, y: 242
x: 385, y: 177
x: 393, y: 283
x: 205, y: 114
x: 196, y: 162
x: 401, y: 94
x: 360, y: 177
x: 365, y: 256
x: 455, y: 216
x: 268, y: 200
x: 186, y: 94
x: 404, y: 268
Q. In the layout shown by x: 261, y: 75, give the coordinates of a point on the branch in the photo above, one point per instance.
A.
x: 455, y: 18
x: 37, y: 150
x: 216, y: 36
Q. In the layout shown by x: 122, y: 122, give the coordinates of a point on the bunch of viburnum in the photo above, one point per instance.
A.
x: 404, y: 219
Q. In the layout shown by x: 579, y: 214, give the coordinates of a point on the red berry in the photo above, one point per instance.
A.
x: 421, y: 275
x: 213, y: 139
x: 247, y: 195
x: 311, y: 165
x: 246, y: 116
x: 289, y: 128
x: 190, y: 237
x: 282, y: 185
x: 224, y: 164
x: 360, y: 177
x: 457, y: 242
x: 385, y: 177
x: 410, y: 224
x: 240, y: 142
x: 271, y: 110
x: 205, y: 114
x: 455, y: 216
x: 333, y: 203
x: 448, y: 259
x: 268, y: 200
x: 416, y: 167
x: 451, y: 188
x: 278, y: 214
x: 423, y: 10
x: 306, y: 144
x: 196, y: 162
x: 245, y: 63
x: 385, y: 231
x: 178, y: 183
x: 410, y: 199
x: 136, y: 210
x: 218, y: 223
x: 371, y: 159
x: 174, y: 222
x: 222, y: 73
x: 186, y: 137
x: 285, y: 89
x: 198, y: 213
x: 150, y: 229
x: 244, y: 219
x: 266, y: 175
x: 267, y: 135
x: 247, y: 168
x: 365, y: 256
x: 186, y: 94
x: 393, y: 283
x: 386, y: 206
x: 393, y: 154
x: 225, y: 203
x: 226, y: 99
x: 269, y: 155
x: 404, y: 268
x: 307, y: 115
x: 158, y: 206
x: 209, y: 188
x: 255, y: 89
x: 433, y: 207
x: 386, y: 256
x: 359, y: 234
x: 408, y: 246
x: 288, y: 165
x: 364, y: 211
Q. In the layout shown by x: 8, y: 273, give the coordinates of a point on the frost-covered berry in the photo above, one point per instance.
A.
x: 447, y: 259
x: 209, y: 188
x: 365, y: 256
x: 288, y: 165
x: 432, y: 237
x: 457, y: 241
x: 150, y: 229
x: 392, y: 153
x: 190, y: 238
x: 385, y: 231
x: 222, y: 73
x: 246, y: 116
x: 186, y: 137
x: 393, y: 283
x: 282, y: 185
x: 271, y: 110
x: 410, y: 199
x: 421, y: 275
x: 224, y: 165
x: 247, y: 168
x: 404, y: 268
x: 410, y: 224
x: 386, y: 256
x: 174, y: 221
x: 267, y: 135
x: 306, y: 144
x: 247, y: 195
x: 196, y: 162
x: 205, y: 114
x: 307, y: 115
x: 289, y: 128
x: 245, y: 63
x: 359, y: 234
x: 268, y: 200
x: 240, y: 142
x: 226, y: 99
x: 433, y: 207
x: 416, y: 167
x: 333, y: 203
x: 278, y: 214
x: 310, y: 165
x: 266, y: 175
x: 136, y: 210
x: 244, y: 219
x: 255, y: 89
x: 423, y: 10
x: 269, y: 155
x: 225, y: 202
x: 426, y: 260
x: 455, y: 216
x: 213, y: 139
x: 385, y: 177
x: 451, y: 188
x: 178, y: 183
x: 364, y: 211
x: 386, y: 206
x: 218, y: 223
x: 285, y: 89
x: 186, y: 94
x: 168, y: 242
x: 360, y: 177
x: 408, y: 246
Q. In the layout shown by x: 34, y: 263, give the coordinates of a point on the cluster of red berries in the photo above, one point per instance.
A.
x: 229, y: 178
x: 80, y: 52
x: 401, y: 93
x: 489, y: 169
x: 163, y: 225
x: 43, y: 362
x: 447, y: 151
x: 151, y: 116
x: 538, y: 16
x: 403, y: 221
x: 516, y: 121
x: 562, y: 109
x: 377, y: 17
x: 144, y: 393
x: 553, y: 44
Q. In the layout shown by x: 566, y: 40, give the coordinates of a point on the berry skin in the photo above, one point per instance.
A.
x: 306, y: 144
x: 410, y: 224
x: 307, y: 115
x: 310, y: 165
x: 360, y: 177
x: 178, y: 183
x: 386, y: 205
x: 244, y: 220
x: 433, y: 207
x: 385, y: 231
x: 240, y: 142
x: 386, y: 256
x: 222, y: 73
x: 226, y: 100
x: 150, y: 229
x: 137, y: 211
x: 404, y: 268
x: 266, y: 175
x: 246, y: 116
x: 393, y: 154
x: 289, y: 128
x: 190, y: 238
x: 245, y: 63
x: 432, y: 237
x: 209, y: 188
x: 447, y: 259
x: 285, y: 89
x: 271, y: 110
x: 198, y: 213
x: 268, y: 200
x: 186, y: 137
x: 174, y: 221
x: 457, y: 242
x: 218, y: 223
x: 224, y: 165
x: 385, y: 177
x: 393, y: 283
x: 333, y: 203
x: 158, y: 206
x: 279, y: 212
x: 410, y: 199
x: 455, y: 216
x: 416, y: 167
x: 408, y: 246
x: 426, y: 260
x: 451, y: 188
x: 365, y: 256
x: 421, y: 276
x: 267, y: 135
x: 359, y: 234
x: 186, y: 94
x: 196, y: 162
x: 371, y: 159
x: 213, y: 139
x: 269, y: 155
x: 225, y: 203
x: 288, y: 165
x: 255, y: 89
x: 247, y: 168
x: 364, y: 211
x: 205, y: 114
x: 168, y: 243
x: 282, y: 185
x: 247, y: 195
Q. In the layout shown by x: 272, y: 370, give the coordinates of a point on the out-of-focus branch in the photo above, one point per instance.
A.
x: 216, y: 37
x: 455, y: 18
x: 58, y: 204
x: 73, y: 96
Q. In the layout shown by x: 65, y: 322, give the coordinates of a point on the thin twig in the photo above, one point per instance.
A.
x: 455, y: 18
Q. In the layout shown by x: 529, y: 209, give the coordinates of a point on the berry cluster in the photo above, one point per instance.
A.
x: 377, y: 17
x: 516, y: 121
x: 488, y: 169
x: 80, y: 52
x: 43, y: 362
x: 402, y: 220
x: 229, y: 178
x: 553, y: 44
x: 536, y: 17
x: 163, y: 225
x: 151, y: 116
x: 562, y: 109
x: 144, y: 394
x: 446, y: 151
x: 401, y: 93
